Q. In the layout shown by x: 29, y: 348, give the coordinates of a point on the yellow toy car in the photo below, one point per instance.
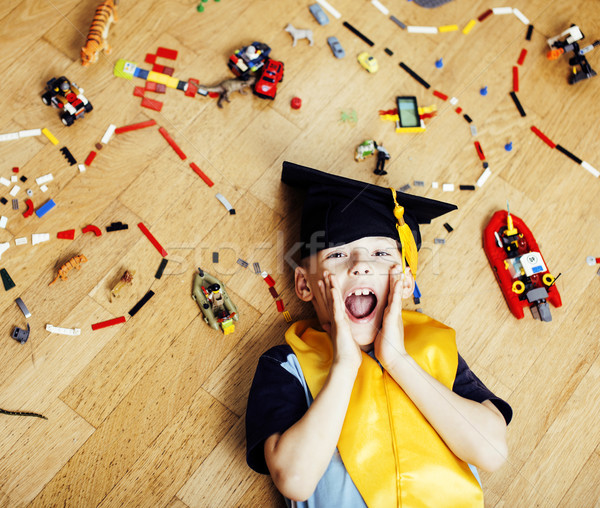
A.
x: 368, y: 62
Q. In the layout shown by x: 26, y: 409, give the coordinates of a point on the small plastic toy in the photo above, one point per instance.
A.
x: 567, y: 41
x: 336, y: 47
x: 21, y: 335
x: 248, y: 59
x: 216, y: 306
x: 299, y: 34
x: 74, y: 262
x: 319, y: 14
x: 366, y: 149
x: 228, y: 86
x: 519, y: 266
x: 96, y: 41
x: 368, y: 62
x: 382, y: 156
x: 126, y: 280
x: 266, y: 86
x: 68, y: 97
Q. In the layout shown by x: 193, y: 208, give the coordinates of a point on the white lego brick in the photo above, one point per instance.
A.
x: 44, y: 179
x: 81, y: 168
x: 39, y: 238
x: 483, y: 178
x: 448, y: 187
x: 379, y: 6
x: 63, y: 331
x: 21, y: 241
x: 224, y: 201
x: 434, y: 185
x: 3, y: 221
x: 14, y: 178
x: 473, y: 130
x: 108, y: 134
x: 330, y: 9
x: 30, y: 132
x: 44, y: 188
x: 502, y: 10
x: 3, y: 248
x: 453, y: 101
x: 9, y: 136
x: 14, y: 190
x: 521, y: 16
x: 590, y: 168
x: 4, y: 181
x: 422, y: 29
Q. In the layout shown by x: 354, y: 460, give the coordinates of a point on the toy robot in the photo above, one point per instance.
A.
x: 567, y: 41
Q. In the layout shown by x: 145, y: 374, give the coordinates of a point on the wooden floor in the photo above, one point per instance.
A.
x: 151, y: 412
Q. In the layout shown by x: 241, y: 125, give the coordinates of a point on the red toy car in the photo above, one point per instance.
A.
x: 68, y: 97
x: 519, y: 266
x: 266, y: 86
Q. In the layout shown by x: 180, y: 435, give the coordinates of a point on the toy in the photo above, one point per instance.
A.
x: 215, y: 304
x: 248, y: 59
x: 569, y: 43
x: 296, y: 103
x: 299, y: 34
x: 227, y: 87
x: 382, y: 156
x: 21, y: 335
x: 336, y: 47
x: 62, y: 94
x: 74, y: 262
x: 106, y: 14
x: 266, y: 86
x: 519, y: 266
x: 368, y: 62
x: 126, y: 280
x: 319, y: 14
x: 366, y: 149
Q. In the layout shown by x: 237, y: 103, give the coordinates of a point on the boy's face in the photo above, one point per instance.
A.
x: 362, y: 269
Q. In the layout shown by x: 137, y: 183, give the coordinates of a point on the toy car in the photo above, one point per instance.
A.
x: 68, y: 97
x: 519, y: 266
x: 368, y: 62
x: 266, y: 86
x: 336, y: 47
x: 216, y: 306
x: 319, y: 14
x: 248, y: 59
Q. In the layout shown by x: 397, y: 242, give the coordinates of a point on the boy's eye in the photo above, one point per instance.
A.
x: 382, y: 253
x: 335, y: 255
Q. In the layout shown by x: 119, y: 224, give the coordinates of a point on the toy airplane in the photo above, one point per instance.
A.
x: 519, y: 266
x: 211, y: 295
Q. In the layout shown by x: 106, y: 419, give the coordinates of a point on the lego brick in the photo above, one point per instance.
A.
x: 473, y: 130
x: 404, y: 188
x: 23, y: 308
x: 280, y: 307
x: 448, y: 28
x: 286, y: 316
x: 92, y: 229
x: 39, y: 238
x: 68, y: 234
x: 157, y: 77
x: 529, y: 32
x: 268, y: 279
x: 439, y: 241
x: 5, y: 246
x: 522, y: 56
x: 242, y: 263
x: 90, y: 158
x: 466, y: 187
x: 225, y: 203
x: 434, y: 185
x: 448, y: 227
x: 587, y: 166
x: 21, y: 241
x: 414, y: 75
x: 201, y: 174
x: 7, y: 281
x: 329, y: 9
x: 469, y: 26
x: 3, y: 222
x: 4, y: 181
x: 160, y: 88
x: 358, y: 33
x: 98, y: 146
x: 150, y: 86
x: 515, y: 99
x: 135, y: 126
x: 116, y: 226
x: 479, y: 150
x: 502, y: 10
x: 15, y: 204
x: 108, y: 322
x: 419, y: 183
x: 440, y: 95
x: 81, y: 168
x: 68, y: 155
x: 44, y: 188
x: 23, y: 178
x: 135, y: 309
x: 150, y: 58
x: 171, y: 142
x: 422, y: 29
x: 568, y: 154
x: 484, y: 177
x: 30, y: 208
x: 380, y: 7
x: 63, y: 331
x: 515, y: 78
x: 139, y: 91
x: 50, y: 136
x: 3, y: 200
x: 257, y: 269
x: 273, y: 292
x: 169, y: 71
x: 215, y: 257
x: 14, y: 179
x: 45, y: 208
x: 44, y: 179
x: 9, y: 136
x: 161, y: 268
x: 170, y: 54
x: 141, y: 73
x: 192, y: 88
x: 522, y: 18
x: 108, y: 134
x: 388, y: 51
x: 448, y: 187
x: 13, y: 192
x: 398, y: 22
x: 453, y: 101
x: 29, y: 133
x: 485, y: 15
x: 153, y: 240
x: 543, y: 137
x: 151, y: 104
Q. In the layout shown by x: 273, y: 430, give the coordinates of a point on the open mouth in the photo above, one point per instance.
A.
x: 361, y: 303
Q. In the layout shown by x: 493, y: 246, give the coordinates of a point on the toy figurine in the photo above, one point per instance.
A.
x: 68, y: 97
x: 298, y: 34
x: 227, y: 87
x: 126, y: 280
x: 382, y: 156
x: 569, y: 43
x: 366, y: 149
x: 211, y: 295
x: 248, y: 59
x: 96, y: 41
x: 74, y: 262
x: 519, y: 266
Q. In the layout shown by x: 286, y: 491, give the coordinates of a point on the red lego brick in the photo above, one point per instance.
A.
x: 268, y: 279
x: 169, y: 71
x: 515, y: 78
x: 213, y: 95
x: 280, y: 307
x: 160, y: 88
x: 522, y: 56
x: 458, y: 110
x: 442, y: 96
x: 139, y: 91
x: 151, y: 104
x: 90, y: 158
x: 30, y: 208
x: 543, y: 137
x: 174, y: 145
x: 153, y: 240
x: 171, y: 54
x: 91, y: 228
x: 150, y: 86
x: 192, y: 87
x: 479, y: 150
x: 485, y: 15
x: 201, y: 174
x: 109, y: 322
x: 68, y: 234
x: 150, y: 58
x: 135, y: 126
x: 158, y: 68
x: 274, y: 292
x: 15, y: 169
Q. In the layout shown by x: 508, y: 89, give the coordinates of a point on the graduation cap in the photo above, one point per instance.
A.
x: 339, y: 210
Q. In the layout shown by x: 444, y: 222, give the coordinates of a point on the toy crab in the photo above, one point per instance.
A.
x: 218, y: 309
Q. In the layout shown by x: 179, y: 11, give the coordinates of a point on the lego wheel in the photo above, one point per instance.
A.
x: 88, y: 107
x: 68, y: 119
x: 46, y: 98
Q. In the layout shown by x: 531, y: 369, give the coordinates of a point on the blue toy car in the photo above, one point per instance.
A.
x: 336, y: 47
x: 319, y: 14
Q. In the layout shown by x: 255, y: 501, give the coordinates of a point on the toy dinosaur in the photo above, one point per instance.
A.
x: 227, y: 87
x: 74, y: 262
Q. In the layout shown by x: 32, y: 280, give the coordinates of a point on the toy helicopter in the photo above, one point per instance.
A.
x: 211, y: 295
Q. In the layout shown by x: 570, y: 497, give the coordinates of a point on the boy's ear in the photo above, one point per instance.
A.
x: 408, y: 284
x: 303, y: 289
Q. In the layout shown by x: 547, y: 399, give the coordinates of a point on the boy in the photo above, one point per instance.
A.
x: 371, y: 405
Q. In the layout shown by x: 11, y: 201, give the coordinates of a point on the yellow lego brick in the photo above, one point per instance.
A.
x: 427, y: 109
x: 389, y: 118
x: 158, y: 77
x: 172, y: 82
x: 448, y: 28
x: 286, y: 316
x: 49, y: 135
x: 469, y: 26
x: 409, y: 130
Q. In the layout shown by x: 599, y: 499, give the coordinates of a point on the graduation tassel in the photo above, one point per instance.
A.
x: 407, y: 240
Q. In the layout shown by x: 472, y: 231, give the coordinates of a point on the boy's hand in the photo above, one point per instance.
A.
x: 345, y: 349
x: 389, y: 343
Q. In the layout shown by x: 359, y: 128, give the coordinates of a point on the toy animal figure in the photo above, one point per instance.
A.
x: 126, y: 280
x: 227, y: 87
x: 74, y: 262
x: 106, y: 13
x: 298, y: 34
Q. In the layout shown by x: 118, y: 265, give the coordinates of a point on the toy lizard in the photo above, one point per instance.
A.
x: 74, y: 262
x: 227, y: 87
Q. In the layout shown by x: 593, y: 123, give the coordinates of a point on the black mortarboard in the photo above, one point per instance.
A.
x: 339, y: 210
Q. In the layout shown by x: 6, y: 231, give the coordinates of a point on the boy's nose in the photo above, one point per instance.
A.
x: 359, y: 264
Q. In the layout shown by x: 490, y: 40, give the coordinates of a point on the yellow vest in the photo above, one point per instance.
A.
x: 411, y: 466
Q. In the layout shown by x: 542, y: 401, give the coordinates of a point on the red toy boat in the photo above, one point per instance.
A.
x: 519, y: 266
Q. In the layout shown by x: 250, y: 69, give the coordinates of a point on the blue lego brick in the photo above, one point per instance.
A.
x: 45, y: 208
